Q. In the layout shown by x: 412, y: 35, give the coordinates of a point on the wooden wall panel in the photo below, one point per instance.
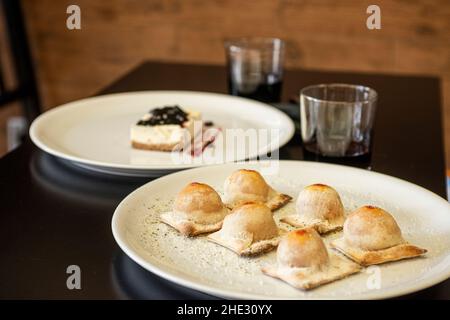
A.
x: 321, y: 34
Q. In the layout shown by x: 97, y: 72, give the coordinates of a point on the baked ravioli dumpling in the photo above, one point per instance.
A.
x: 304, y: 262
x: 248, y: 230
x: 318, y: 206
x: 372, y: 236
x: 244, y: 186
x: 198, y: 209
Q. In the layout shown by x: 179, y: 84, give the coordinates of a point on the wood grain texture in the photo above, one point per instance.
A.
x: 320, y: 34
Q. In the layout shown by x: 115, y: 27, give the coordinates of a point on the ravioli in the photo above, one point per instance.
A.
x: 244, y: 186
x: 318, y: 206
x: 304, y: 262
x: 248, y: 230
x: 198, y: 209
x: 372, y: 236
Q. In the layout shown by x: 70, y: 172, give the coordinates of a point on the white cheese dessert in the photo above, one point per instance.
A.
x: 165, y: 129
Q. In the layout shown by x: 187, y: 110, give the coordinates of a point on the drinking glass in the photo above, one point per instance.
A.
x: 337, y: 119
x: 255, y: 68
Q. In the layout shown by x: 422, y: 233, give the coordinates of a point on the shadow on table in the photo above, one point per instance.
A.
x: 437, y: 292
x: 131, y: 281
x: 69, y: 181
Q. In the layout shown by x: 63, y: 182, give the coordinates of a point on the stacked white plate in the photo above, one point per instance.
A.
x: 94, y: 133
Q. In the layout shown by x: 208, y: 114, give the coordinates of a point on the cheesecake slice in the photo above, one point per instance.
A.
x: 165, y: 129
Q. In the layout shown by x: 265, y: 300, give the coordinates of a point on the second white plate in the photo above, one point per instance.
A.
x: 94, y: 132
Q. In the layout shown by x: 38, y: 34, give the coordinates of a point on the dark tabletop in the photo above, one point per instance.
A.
x: 54, y: 214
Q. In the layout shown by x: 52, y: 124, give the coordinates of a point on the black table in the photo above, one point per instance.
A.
x: 54, y: 214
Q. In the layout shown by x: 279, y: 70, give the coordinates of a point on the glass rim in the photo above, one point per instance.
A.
x: 246, y: 43
x: 373, y: 95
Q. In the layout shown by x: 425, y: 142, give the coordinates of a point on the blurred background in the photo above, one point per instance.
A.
x: 117, y: 35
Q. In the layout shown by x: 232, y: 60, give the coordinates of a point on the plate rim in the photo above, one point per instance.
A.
x: 35, y: 125
x: 230, y: 294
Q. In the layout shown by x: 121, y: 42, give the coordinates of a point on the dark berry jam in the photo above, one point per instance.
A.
x: 165, y: 115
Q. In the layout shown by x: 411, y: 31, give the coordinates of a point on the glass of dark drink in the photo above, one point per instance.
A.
x: 255, y: 68
x: 337, y: 119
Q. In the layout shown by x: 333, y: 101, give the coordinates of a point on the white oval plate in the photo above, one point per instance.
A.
x: 196, y: 263
x: 94, y: 132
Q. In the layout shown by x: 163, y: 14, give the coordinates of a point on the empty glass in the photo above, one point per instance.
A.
x: 337, y: 119
x: 255, y: 68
